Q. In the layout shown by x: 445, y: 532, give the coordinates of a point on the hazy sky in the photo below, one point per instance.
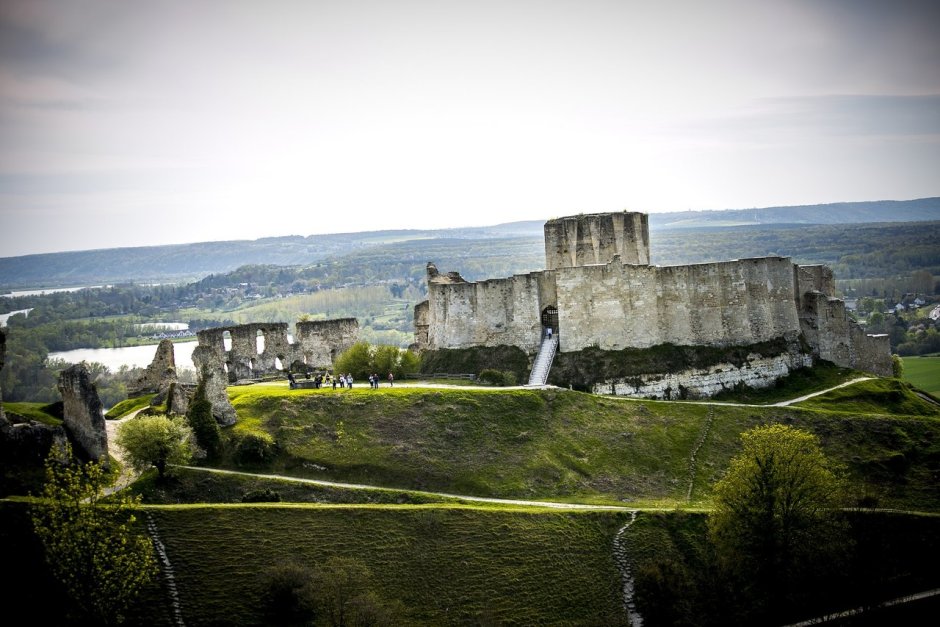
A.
x: 129, y: 123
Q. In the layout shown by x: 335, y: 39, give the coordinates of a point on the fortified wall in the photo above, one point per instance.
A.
x: 249, y: 351
x: 599, y: 292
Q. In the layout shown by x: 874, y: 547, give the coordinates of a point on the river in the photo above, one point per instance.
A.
x: 132, y: 356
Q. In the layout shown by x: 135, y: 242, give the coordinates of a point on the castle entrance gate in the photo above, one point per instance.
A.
x: 550, y: 318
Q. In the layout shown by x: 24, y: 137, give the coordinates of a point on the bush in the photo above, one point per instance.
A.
x: 497, y: 377
x: 262, y: 496
x: 254, y: 448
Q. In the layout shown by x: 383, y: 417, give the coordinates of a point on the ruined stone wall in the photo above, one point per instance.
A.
x: 596, y: 239
x: 815, y: 278
x: 244, y: 361
x: 160, y: 372
x: 835, y: 337
x: 758, y: 372
x: 422, y: 323
x: 83, y: 417
x: 320, y: 341
x: 486, y: 313
x: 214, y: 380
x: 616, y: 306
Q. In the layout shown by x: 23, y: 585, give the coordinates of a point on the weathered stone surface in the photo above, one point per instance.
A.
x: 161, y: 371
x: 320, y: 341
x: 596, y: 239
x: 83, y: 417
x: 758, y: 372
x: 213, y: 378
x: 837, y: 338
x: 160, y: 379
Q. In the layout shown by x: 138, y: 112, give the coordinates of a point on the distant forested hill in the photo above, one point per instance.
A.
x: 919, y: 210
x: 184, y: 262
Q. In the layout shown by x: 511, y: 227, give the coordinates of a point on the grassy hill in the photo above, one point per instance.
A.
x: 562, y: 445
x: 448, y: 562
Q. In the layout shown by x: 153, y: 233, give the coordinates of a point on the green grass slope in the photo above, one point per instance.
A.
x: 562, y: 445
x: 447, y: 565
x: 923, y: 372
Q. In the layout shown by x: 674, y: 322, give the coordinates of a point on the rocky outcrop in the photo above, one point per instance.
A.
x: 756, y: 372
x: 83, y: 417
x: 213, y: 378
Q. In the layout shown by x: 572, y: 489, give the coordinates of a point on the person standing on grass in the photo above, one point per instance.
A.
x: 349, y: 380
x: 391, y: 380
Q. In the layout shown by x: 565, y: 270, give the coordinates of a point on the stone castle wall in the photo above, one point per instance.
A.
x: 835, y: 337
x: 616, y: 306
x: 596, y: 239
x: 607, y: 296
x: 320, y: 341
x: 815, y: 278
x: 485, y: 313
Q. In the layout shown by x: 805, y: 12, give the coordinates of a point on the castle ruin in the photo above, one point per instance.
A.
x: 251, y: 351
x: 599, y: 292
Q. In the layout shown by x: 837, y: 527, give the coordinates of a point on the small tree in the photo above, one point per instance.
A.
x: 897, y: 366
x: 156, y: 441
x: 95, y: 549
x: 775, y: 517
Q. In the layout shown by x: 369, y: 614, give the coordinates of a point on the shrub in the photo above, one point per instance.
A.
x: 254, y: 448
x: 497, y: 377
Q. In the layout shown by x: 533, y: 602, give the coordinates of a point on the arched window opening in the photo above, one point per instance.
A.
x: 259, y: 341
x: 226, y: 340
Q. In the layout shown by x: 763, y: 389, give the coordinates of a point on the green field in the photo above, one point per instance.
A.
x: 923, y: 372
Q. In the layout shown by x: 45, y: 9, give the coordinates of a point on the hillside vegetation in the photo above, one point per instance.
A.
x: 562, y: 445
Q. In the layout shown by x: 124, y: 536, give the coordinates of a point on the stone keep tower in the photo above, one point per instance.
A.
x: 595, y: 238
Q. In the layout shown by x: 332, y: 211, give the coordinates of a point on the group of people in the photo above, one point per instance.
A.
x: 320, y: 380
x: 342, y: 380
x: 374, y: 380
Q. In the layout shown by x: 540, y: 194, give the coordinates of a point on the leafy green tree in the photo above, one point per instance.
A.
x: 410, y: 362
x: 775, y: 522
x: 357, y: 359
x: 95, y: 549
x: 385, y: 359
x: 156, y: 441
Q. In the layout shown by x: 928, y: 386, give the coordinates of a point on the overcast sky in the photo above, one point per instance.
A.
x: 127, y: 123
